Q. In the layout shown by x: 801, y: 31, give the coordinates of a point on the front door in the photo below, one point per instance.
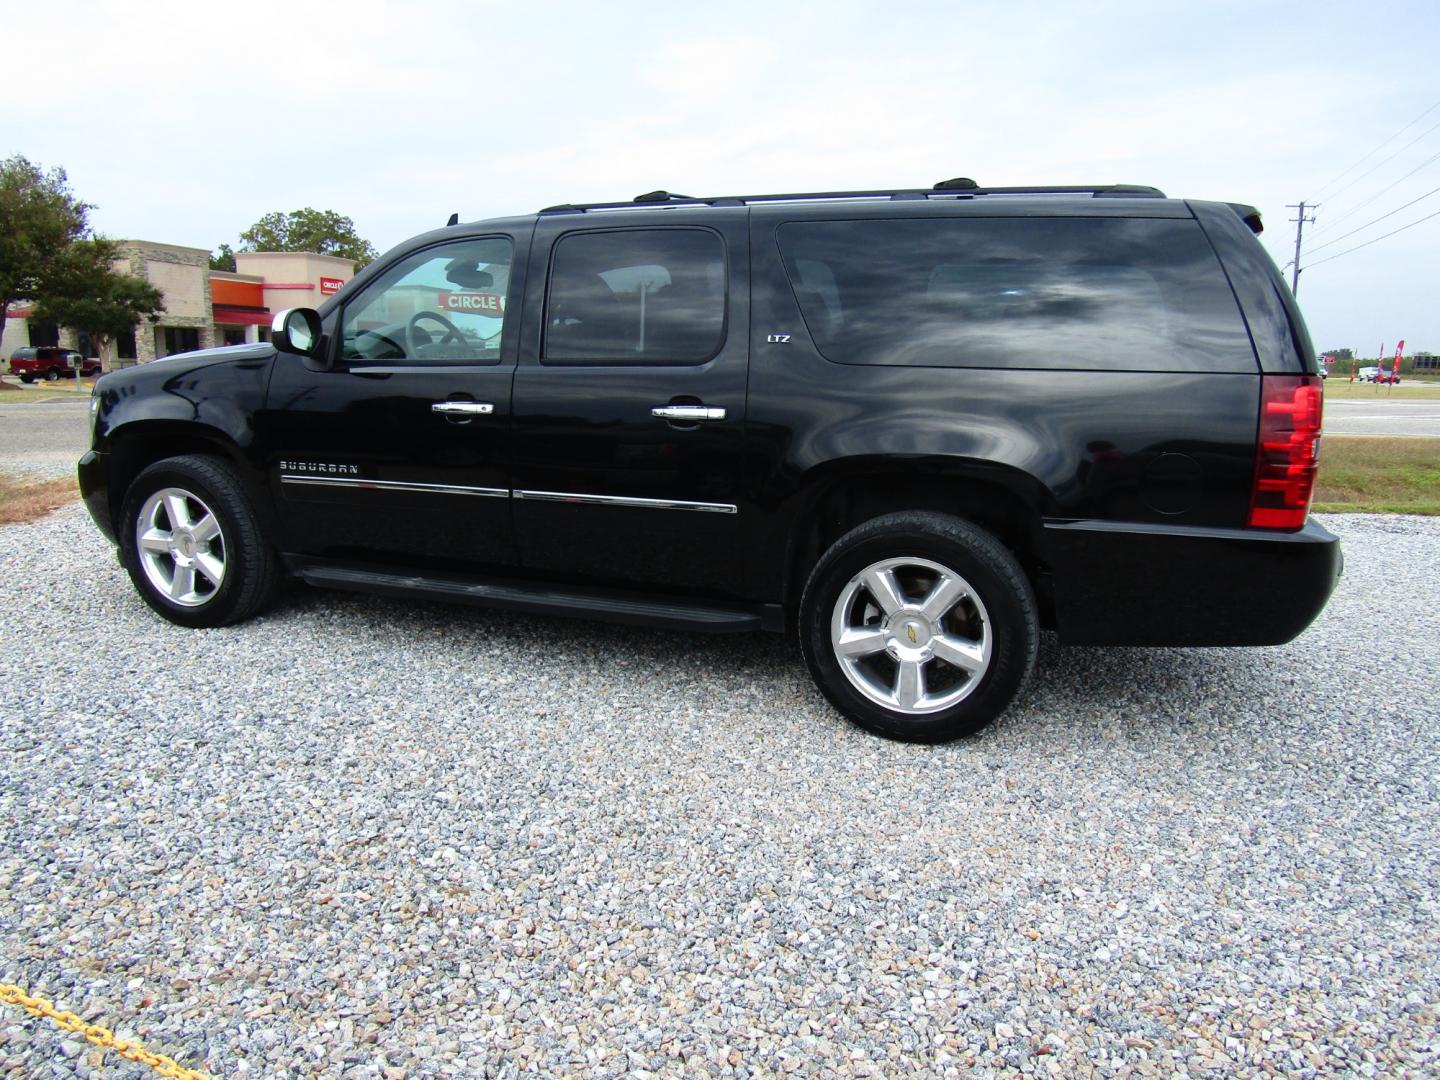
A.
x: 398, y: 453
x: 629, y: 403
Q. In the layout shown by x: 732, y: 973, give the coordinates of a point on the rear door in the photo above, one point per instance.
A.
x: 629, y: 399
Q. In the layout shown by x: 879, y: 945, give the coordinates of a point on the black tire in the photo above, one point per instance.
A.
x: 250, y: 570
x: 52, y: 375
x: 992, y: 616
x: 27, y: 378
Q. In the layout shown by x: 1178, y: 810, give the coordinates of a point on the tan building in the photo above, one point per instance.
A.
x: 203, y: 307
x: 295, y: 278
x: 183, y: 275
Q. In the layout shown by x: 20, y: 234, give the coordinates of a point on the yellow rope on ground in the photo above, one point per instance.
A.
x: 100, y: 1036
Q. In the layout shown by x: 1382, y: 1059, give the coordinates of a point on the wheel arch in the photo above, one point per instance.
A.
x: 1007, y: 503
x: 133, y: 447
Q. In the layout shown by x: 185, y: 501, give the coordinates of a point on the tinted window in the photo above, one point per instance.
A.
x: 1113, y: 293
x: 636, y: 296
x: 443, y: 305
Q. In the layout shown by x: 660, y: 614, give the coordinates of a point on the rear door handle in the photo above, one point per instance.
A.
x: 688, y: 413
x: 463, y: 408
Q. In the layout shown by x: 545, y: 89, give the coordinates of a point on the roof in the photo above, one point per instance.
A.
x: 949, y: 190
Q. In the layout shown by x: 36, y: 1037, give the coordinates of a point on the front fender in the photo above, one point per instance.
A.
x: 202, y: 402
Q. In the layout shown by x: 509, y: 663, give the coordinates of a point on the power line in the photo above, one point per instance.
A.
x: 1366, y: 156
x: 1382, y: 217
x: 1381, y: 164
x: 1357, y: 247
x: 1361, y: 205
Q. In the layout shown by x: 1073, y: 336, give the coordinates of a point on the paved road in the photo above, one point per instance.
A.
x: 1382, y: 416
x: 44, y: 436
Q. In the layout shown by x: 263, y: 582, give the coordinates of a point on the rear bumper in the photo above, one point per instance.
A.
x: 95, y: 490
x: 1127, y: 584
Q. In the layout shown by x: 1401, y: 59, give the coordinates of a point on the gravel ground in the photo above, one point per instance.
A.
x: 365, y: 838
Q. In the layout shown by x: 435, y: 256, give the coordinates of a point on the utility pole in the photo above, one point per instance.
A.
x: 1300, y: 219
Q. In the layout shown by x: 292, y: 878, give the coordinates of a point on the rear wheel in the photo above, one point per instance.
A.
x: 192, y: 545
x: 52, y: 375
x: 919, y: 626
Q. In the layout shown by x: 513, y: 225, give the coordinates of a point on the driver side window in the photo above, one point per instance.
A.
x: 443, y: 305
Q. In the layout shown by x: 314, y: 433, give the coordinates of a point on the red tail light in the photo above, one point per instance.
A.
x: 1288, y: 452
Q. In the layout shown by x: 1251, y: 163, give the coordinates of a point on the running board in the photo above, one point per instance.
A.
x: 542, y: 598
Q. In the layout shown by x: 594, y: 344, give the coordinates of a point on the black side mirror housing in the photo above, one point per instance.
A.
x: 297, y: 330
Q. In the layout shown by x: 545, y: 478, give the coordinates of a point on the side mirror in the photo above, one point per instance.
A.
x: 296, y: 330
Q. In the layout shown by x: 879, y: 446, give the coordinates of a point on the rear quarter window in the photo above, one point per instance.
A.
x: 1117, y: 294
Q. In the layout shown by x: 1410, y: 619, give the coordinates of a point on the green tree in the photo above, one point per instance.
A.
x: 322, y: 231
x: 1339, y: 354
x: 39, y: 219
x: 85, y: 292
x: 224, y: 259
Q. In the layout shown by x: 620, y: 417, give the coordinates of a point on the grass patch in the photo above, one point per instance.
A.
x: 1408, y: 390
x: 1367, y: 475
x: 22, y: 501
x: 11, y: 392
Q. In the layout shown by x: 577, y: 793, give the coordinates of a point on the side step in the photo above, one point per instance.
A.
x: 636, y: 609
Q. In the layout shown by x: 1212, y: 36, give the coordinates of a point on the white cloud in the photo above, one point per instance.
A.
x: 185, y: 122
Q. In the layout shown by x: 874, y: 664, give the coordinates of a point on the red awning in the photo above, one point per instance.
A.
x: 242, y: 316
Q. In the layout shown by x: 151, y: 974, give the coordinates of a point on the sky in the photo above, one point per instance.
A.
x: 186, y: 122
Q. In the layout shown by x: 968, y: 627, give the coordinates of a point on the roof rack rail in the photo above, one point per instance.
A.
x: 659, y: 196
x: 960, y: 187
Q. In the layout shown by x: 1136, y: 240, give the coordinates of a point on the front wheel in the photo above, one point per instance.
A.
x: 192, y: 544
x: 919, y: 626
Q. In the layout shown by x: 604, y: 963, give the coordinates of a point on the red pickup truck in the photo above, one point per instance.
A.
x: 50, y: 362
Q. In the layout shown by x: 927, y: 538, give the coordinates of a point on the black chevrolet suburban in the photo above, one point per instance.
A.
x: 912, y: 427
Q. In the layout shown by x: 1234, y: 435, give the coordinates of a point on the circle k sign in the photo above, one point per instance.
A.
x: 473, y: 303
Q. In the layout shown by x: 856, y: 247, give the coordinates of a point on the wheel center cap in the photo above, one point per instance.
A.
x: 909, y: 635
x: 185, y: 545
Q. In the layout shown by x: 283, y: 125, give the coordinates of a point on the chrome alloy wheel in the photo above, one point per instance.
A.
x: 181, y: 547
x: 911, y: 635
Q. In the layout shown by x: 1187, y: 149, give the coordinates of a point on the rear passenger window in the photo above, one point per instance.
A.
x: 636, y: 296
x: 1122, y: 294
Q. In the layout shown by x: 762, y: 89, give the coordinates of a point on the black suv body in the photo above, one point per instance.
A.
x: 912, y: 426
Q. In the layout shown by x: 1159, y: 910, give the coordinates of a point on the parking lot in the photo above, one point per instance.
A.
x: 370, y: 838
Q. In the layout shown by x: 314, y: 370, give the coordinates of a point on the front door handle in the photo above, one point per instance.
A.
x: 463, y: 408
x: 688, y: 413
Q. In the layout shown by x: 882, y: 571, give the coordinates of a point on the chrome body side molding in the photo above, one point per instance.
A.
x: 393, y: 485
x: 626, y: 500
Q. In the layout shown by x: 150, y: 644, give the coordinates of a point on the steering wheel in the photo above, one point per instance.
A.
x: 412, y: 346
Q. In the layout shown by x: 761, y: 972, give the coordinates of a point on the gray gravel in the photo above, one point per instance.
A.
x: 365, y: 838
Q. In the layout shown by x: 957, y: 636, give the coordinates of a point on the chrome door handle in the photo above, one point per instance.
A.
x: 463, y: 408
x: 690, y: 413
